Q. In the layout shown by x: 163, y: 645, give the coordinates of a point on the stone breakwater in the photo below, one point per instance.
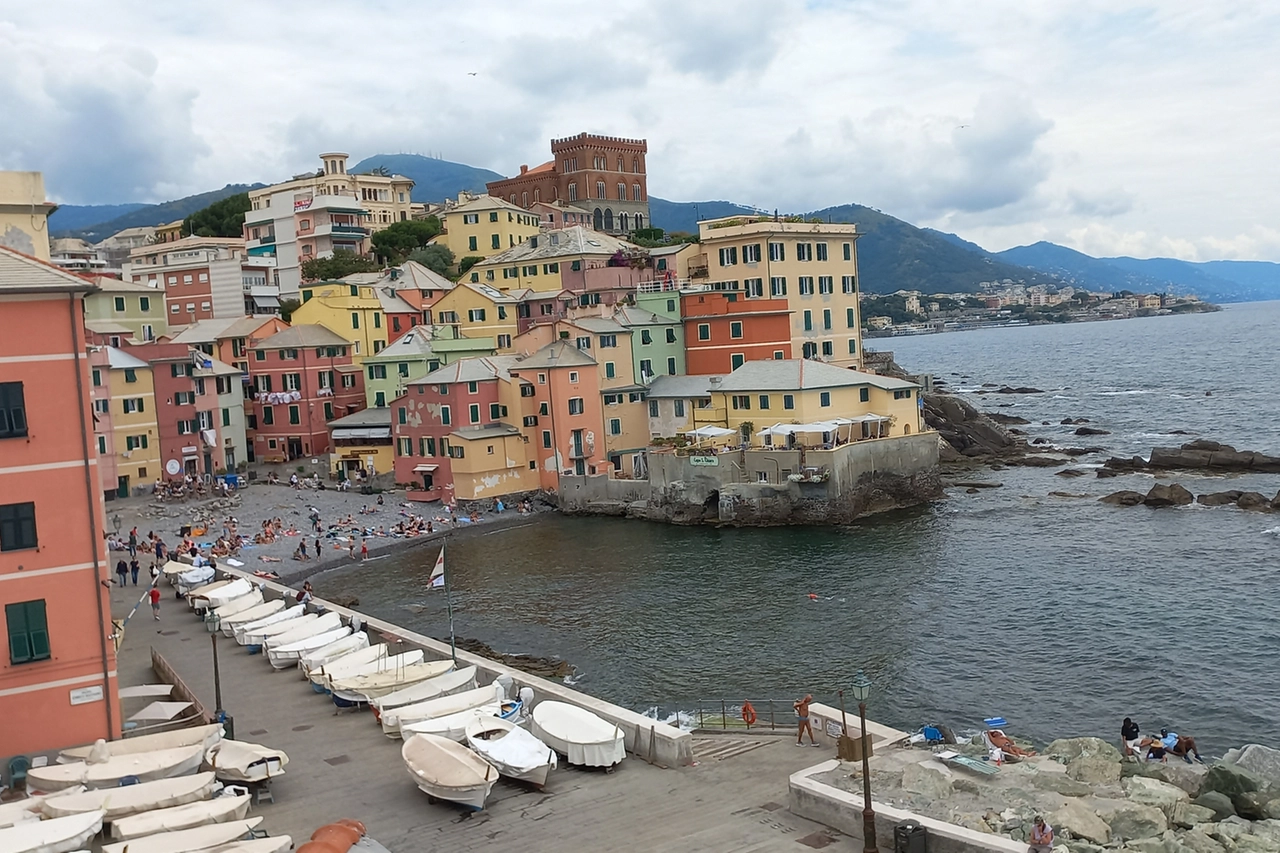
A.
x: 1175, y: 494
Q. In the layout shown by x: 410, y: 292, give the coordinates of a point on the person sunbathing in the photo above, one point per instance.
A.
x: 1002, y: 742
x: 1182, y: 747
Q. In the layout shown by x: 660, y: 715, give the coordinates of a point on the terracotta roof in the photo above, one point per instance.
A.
x: 556, y: 354
x: 301, y: 337
x: 221, y: 328
x: 21, y: 273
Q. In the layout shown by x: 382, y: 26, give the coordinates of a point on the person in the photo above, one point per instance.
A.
x: 122, y: 571
x: 155, y: 574
x: 1182, y: 747
x: 380, y: 501
x: 499, y: 506
x: 305, y: 594
x: 317, y: 547
x: 364, y: 549
x: 302, y: 547
x: 134, y: 568
x: 161, y: 549
x: 1130, y: 736
x: 133, y: 542
x: 1041, y: 836
x: 351, y: 546
x: 802, y: 715
x: 154, y: 595
x: 1155, y: 749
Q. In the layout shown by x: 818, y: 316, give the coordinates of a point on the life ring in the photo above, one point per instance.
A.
x: 748, y: 714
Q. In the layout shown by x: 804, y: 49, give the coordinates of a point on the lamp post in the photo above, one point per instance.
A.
x: 862, y: 690
x: 115, y: 521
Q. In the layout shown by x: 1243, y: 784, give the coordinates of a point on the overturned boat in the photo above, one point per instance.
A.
x: 228, y: 624
x: 131, y: 799
x: 442, y: 685
x: 184, y: 840
x: 581, y: 736
x: 240, y: 761
x: 204, y: 736
x: 189, y: 816
x: 332, y: 652
x: 143, y: 766
x: 60, y: 835
x: 515, y: 752
x: 359, y: 689
x: 448, y: 771
x: 399, y: 722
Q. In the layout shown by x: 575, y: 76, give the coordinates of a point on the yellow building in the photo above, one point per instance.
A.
x: 24, y: 213
x: 539, y: 262
x: 135, y: 439
x: 139, y: 308
x: 482, y: 225
x: 355, y: 309
x: 813, y: 265
x: 480, y: 311
x: 170, y: 232
x: 361, y: 443
x: 845, y: 405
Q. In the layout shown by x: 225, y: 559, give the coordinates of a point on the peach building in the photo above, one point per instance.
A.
x: 57, y: 669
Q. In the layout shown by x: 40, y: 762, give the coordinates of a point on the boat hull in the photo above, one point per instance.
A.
x: 61, y: 835
x: 448, y: 771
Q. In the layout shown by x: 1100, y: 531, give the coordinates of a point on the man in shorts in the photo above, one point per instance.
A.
x: 802, y: 715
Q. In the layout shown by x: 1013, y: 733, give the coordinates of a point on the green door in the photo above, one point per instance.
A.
x: 122, y: 487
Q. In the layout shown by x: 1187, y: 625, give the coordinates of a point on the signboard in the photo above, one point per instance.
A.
x: 190, y: 449
x: 85, y: 695
x: 705, y: 461
x: 301, y: 202
x: 173, y: 466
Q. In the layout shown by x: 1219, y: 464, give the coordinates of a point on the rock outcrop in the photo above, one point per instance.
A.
x: 1255, y: 501
x: 1220, y: 498
x: 1168, y: 494
x: 967, y: 431
x: 1084, y: 430
x: 1204, y: 454
x: 1124, y: 497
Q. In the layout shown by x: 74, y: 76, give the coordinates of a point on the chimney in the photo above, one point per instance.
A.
x: 715, y: 382
x: 523, y: 169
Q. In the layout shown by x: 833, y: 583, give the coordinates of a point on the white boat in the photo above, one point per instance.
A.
x: 350, y: 664
x: 516, y: 753
x: 25, y: 809
x: 145, y: 766
x: 240, y: 761
x: 193, y: 579
x: 201, y: 591
x: 581, y: 736
x: 203, y: 736
x: 287, y: 655
x: 300, y: 631
x: 341, y: 671
x: 217, y: 810
x: 173, y: 569
x: 451, y: 726
x: 442, y: 685
x: 229, y: 624
x: 60, y: 835
x: 448, y: 771
x: 323, y: 655
x: 274, y: 844
x: 396, y: 721
x: 297, y: 611
x: 131, y: 799
x: 248, y: 601
x: 220, y: 596
x: 256, y: 636
x: 363, y: 688
x: 184, y: 840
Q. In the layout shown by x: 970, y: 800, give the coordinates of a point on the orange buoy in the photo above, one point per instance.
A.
x: 813, y: 596
x: 748, y: 714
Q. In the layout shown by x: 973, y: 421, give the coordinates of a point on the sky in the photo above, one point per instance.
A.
x: 1113, y: 127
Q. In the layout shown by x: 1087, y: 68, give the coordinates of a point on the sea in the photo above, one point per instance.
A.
x: 1031, y: 601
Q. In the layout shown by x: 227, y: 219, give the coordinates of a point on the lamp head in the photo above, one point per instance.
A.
x: 861, y: 686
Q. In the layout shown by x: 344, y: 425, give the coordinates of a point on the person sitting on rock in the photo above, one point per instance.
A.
x: 1183, y: 747
x: 1041, y: 836
x: 1130, y: 737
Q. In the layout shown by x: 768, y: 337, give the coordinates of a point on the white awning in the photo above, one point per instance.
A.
x: 710, y: 432
x: 266, y: 302
x: 424, y: 469
x: 362, y: 432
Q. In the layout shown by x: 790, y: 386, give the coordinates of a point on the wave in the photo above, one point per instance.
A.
x: 1273, y: 531
x: 573, y: 679
x: 1124, y: 393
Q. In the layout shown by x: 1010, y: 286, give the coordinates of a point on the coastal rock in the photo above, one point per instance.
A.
x: 1199, y: 841
x: 344, y: 600
x: 1231, y: 829
x: 976, y: 484
x: 1038, y: 462
x: 1152, y: 845
x: 1079, y: 820
x: 1168, y: 494
x: 1126, y: 466
x: 1264, y: 761
x: 1006, y: 420
x: 1072, y: 421
x: 1081, y: 451
x: 1275, y: 502
x: 1094, y: 770
x: 1232, y: 780
x: 1203, y: 453
x: 1005, y: 389
x: 1040, y: 440
x: 1107, y: 474
x: 1084, y: 430
x: 1220, y: 498
x: 1254, y: 501
x: 1188, y: 777
x: 1255, y: 805
x: 1070, y: 472
x: 1069, y: 749
x: 1153, y: 792
x: 1130, y: 820
x: 928, y: 782
x: 1124, y: 497
x: 1220, y: 804
x: 1273, y: 809
x: 1059, y: 782
x: 966, y: 430
x: 1269, y: 832
x: 1187, y: 815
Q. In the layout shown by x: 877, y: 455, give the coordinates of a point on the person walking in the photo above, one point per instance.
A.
x: 122, y: 572
x: 317, y: 547
x: 133, y: 542
x: 302, y: 549
x: 154, y: 595
x: 134, y: 568
x: 364, y: 549
x: 802, y: 715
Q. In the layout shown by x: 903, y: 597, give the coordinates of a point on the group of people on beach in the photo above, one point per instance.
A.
x: 1157, y: 748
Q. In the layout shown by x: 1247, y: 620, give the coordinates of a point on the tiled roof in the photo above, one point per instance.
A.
x: 415, y: 275
x: 297, y: 337
x: 681, y: 387
x: 470, y: 370
x: 486, y: 202
x: 799, y: 374
x: 393, y: 304
x: 556, y: 354
x: 221, y: 328
x: 560, y: 243
x: 21, y: 273
x: 632, y: 316
x: 108, y: 327
x: 108, y: 284
x: 599, y: 325
x: 412, y: 344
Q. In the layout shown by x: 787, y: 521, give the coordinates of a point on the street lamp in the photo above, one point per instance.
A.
x: 116, y: 523
x: 862, y: 690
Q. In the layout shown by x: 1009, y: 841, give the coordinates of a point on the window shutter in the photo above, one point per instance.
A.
x: 19, y: 642
x: 37, y: 630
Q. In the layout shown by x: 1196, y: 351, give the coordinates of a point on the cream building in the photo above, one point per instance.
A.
x: 135, y: 441
x: 24, y: 213
x: 134, y: 306
x: 482, y: 225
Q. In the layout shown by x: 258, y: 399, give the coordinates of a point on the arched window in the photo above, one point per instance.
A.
x: 608, y: 219
x: 635, y: 165
x: 599, y: 189
x: 635, y: 192
x: 524, y: 199
x: 639, y: 221
x: 573, y: 192
x: 513, y: 198
x: 620, y: 168
x: 622, y: 222
x: 599, y: 220
x: 622, y: 192
x: 537, y: 196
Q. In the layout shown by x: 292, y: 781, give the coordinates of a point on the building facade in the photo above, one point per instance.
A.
x: 24, y: 214
x: 138, y: 307
x: 722, y: 332
x: 412, y: 356
x: 204, y: 278
x: 480, y: 226
x: 129, y: 410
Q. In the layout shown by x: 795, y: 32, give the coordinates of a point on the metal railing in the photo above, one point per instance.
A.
x: 726, y: 714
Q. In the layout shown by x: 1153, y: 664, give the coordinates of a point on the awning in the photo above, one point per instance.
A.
x: 363, y: 432
x: 710, y: 432
x: 424, y: 469
x: 266, y: 302
x: 347, y: 368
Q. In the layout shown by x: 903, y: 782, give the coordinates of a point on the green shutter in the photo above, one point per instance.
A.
x: 19, y: 643
x: 37, y: 630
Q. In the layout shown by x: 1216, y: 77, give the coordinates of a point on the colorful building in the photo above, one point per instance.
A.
x: 569, y: 416
x: 358, y: 311
x: 361, y: 443
x: 422, y: 350
x: 129, y: 411
x: 723, y: 332
x: 480, y: 311
x: 24, y: 214
x: 137, y: 307
x: 678, y: 404
x: 539, y: 262
x: 204, y: 278
x: 185, y: 407
x: 58, y: 668
x: 657, y: 342
x: 482, y: 225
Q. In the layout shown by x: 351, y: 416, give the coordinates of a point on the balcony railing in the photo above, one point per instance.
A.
x: 339, y: 228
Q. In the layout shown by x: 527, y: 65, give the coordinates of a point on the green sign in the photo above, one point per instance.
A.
x: 708, y: 461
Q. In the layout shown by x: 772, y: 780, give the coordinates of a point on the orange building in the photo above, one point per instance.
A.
x: 58, y: 667
x: 565, y: 387
x: 721, y: 332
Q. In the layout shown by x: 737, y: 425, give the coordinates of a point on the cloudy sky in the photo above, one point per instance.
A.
x: 1110, y: 126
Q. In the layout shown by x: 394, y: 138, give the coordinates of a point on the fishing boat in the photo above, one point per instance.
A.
x: 448, y: 771
x: 332, y: 652
x: 254, y: 638
x: 352, y: 663
x: 238, y: 605
x: 287, y: 655
x: 228, y: 624
x: 220, y: 596
x: 442, y: 685
x: 145, y: 766
x: 212, y: 586
x: 184, y: 840
x: 240, y: 761
x: 217, y: 810
x: 26, y: 809
x: 579, y: 735
x: 60, y: 835
x: 274, y: 844
x: 204, y: 736
x: 515, y: 752
x: 302, y: 630
x: 396, y: 721
x: 359, y: 689
x: 131, y: 799
x: 451, y: 726
x: 276, y: 618
x: 193, y: 579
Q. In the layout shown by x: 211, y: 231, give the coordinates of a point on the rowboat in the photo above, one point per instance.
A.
x: 442, y: 685
x: 25, y: 809
x: 221, y: 596
x: 274, y: 844
x: 60, y: 835
x: 323, y: 655
x: 448, y: 771
x: 131, y: 799
x: 282, y: 654
x: 359, y: 689
x: 217, y: 810
x: 584, y: 738
x: 516, y: 753
x: 301, y: 631
x: 145, y: 766
x: 370, y: 659
x: 228, y: 624
x: 204, y: 736
x: 184, y: 840
x: 451, y: 726
x: 240, y: 761
x: 193, y: 579
x: 212, y: 586
x: 397, y: 721
x: 253, y: 639
x: 276, y: 618
x: 245, y: 602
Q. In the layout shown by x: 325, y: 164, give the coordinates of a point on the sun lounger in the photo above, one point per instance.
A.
x: 955, y: 759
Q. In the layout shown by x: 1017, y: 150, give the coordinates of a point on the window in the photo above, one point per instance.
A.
x: 475, y: 315
x: 457, y: 452
x: 809, y: 350
x: 599, y: 189
x: 377, y: 320
x: 741, y: 401
x: 544, y: 409
x: 102, y: 445
x: 102, y: 407
x: 778, y: 286
x: 504, y: 341
x: 575, y: 405
x: 735, y: 329
x: 653, y: 408
x: 402, y: 368
x: 144, y: 302
x: 444, y: 447
x: 679, y: 407
x: 130, y: 375
x: 622, y: 192
x: 292, y: 381
x: 175, y: 308
x: 28, y: 631
x: 826, y: 318
x: 808, y: 321
x: 573, y: 377
x: 646, y: 367
x: 609, y: 371
x: 18, y: 526
x: 493, y: 216
x: 328, y: 410
x: 864, y: 395
x: 804, y: 251
x: 582, y: 343
x: 728, y: 256
x: 848, y: 251
x: 736, y: 360
x: 849, y: 319
x: 259, y: 355
x: 671, y: 336
x: 13, y: 410
x: 377, y: 371
x: 97, y: 378
x: 134, y: 442
x: 704, y: 331
x: 777, y: 252
x: 822, y: 251
x: 788, y: 401
x: 402, y: 415
x: 355, y: 319
x: 348, y: 380
x: 608, y: 341
x: 546, y: 438
x: 751, y: 253
x: 902, y: 394
x: 268, y: 415
x: 135, y: 404
x: 853, y: 346
x: 471, y: 244
x: 615, y: 426
x: 847, y: 284
x: 824, y: 399
x: 474, y: 411
x: 470, y: 219
x: 806, y: 285
x: 828, y: 348
x: 671, y: 366
x: 119, y: 303
x: 405, y: 447
x: 764, y: 401
x: 445, y: 415
x: 573, y: 196
x: 380, y: 398
x: 295, y: 415
x: 502, y: 309
x: 427, y: 446
x: 824, y: 285
x: 754, y: 287
x: 473, y: 387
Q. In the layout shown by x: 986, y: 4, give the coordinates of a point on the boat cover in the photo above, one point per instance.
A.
x: 445, y: 764
x: 51, y: 836
x: 441, y: 706
x: 185, y: 840
x: 298, y: 648
x: 441, y: 685
x: 391, y: 677
x: 451, y: 726
x: 204, y: 736
x: 132, y: 799
x: 245, y: 602
x: 581, y: 735
x: 238, y: 760
x: 335, y: 650
x: 206, y: 589
x: 516, y: 749
x: 26, y: 809
x: 147, y: 766
x: 248, y: 617
x: 256, y: 636
x: 322, y: 623
x: 217, y: 810
x: 228, y: 593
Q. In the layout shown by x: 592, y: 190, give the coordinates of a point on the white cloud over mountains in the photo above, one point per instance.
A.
x: 1114, y: 127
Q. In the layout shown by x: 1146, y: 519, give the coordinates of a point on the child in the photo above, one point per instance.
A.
x: 155, y: 602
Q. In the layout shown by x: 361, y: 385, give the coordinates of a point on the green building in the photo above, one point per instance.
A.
x: 412, y: 356
x: 134, y: 306
x: 657, y: 340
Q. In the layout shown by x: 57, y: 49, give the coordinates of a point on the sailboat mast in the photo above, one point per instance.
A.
x: 448, y: 598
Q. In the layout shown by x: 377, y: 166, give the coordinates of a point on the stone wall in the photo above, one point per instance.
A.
x: 599, y: 494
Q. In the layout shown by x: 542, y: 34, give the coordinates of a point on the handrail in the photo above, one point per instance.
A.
x: 726, y: 714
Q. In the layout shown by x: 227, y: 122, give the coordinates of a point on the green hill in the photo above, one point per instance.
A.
x: 433, y: 179
x: 154, y: 214
x: 69, y: 217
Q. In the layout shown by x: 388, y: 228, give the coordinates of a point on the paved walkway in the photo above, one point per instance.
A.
x: 341, y: 765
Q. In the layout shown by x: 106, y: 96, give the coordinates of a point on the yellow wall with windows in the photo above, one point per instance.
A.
x: 134, y: 424
x: 542, y: 276
x: 497, y: 226
x: 332, y: 305
x: 456, y: 308
x: 845, y: 402
x: 491, y: 467
x: 123, y: 303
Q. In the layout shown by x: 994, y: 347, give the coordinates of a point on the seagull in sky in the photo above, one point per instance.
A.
x: 472, y: 73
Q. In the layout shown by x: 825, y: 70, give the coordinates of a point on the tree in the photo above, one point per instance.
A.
x: 395, y: 242
x: 221, y: 219
x: 287, y: 307
x: 467, y: 263
x: 341, y: 263
x: 436, y: 258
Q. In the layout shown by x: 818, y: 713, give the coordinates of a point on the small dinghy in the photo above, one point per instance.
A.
x: 323, y: 655
x: 193, y: 579
x: 396, y: 722
x: 219, y: 597
x: 28, y: 808
x: 246, y: 602
x: 184, y: 840
x: 302, y: 630
x: 228, y: 624
x: 203, y: 736
x: 274, y: 844
x: 206, y: 589
x: 240, y: 761
x: 448, y: 771
x: 442, y: 685
x: 132, y: 799
x: 145, y: 766
x: 451, y: 726
x: 581, y: 736
x: 360, y: 689
x: 242, y: 631
x: 217, y: 810
x: 286, y: 655
x: 366, y: 660
x: 516, y: 753
x: 254, y: 638
x: 60, y: 835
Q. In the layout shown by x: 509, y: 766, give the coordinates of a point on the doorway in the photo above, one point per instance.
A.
x: 122, y: 487
x: 295, y: 448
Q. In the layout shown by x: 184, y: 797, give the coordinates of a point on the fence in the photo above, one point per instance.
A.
x: 725, y: 714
